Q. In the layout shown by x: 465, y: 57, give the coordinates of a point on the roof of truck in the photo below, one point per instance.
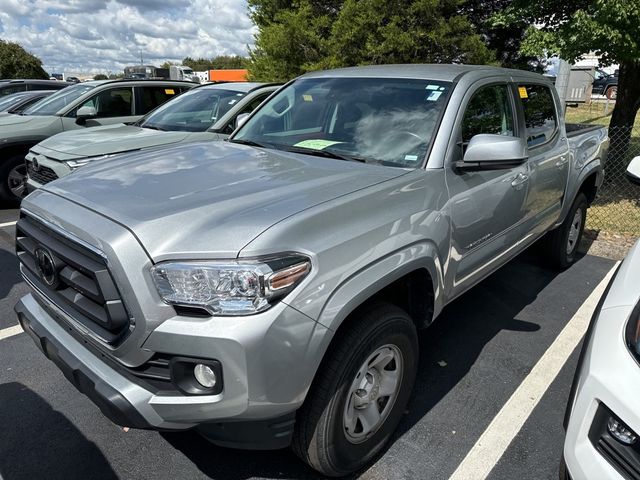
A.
x: 442, y: 72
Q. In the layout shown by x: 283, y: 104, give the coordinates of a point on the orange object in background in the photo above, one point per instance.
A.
x: 228, y: 75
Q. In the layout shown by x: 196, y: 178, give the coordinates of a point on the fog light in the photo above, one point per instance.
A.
x: 205, y: 375
x: 621, y: 432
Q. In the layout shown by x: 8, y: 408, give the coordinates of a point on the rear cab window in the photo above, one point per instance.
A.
x: 540, y: 116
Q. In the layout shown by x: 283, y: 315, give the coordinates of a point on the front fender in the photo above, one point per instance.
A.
x: 364, y: 284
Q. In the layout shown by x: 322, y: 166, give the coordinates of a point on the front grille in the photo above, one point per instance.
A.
x: 73, y: 277
x: 42, y: 175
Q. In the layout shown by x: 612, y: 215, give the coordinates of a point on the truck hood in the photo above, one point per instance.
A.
x: 106, y: 140
x: 206, y: 200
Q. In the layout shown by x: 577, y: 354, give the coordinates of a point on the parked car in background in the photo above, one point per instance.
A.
x: 204, y: 113
x: 88, y: 104
x: 605, y: 84
x: 8, y: 87
x: 603, y: 413
x: 17, y: 102
x: 266, y: 291
x: 73, y: 79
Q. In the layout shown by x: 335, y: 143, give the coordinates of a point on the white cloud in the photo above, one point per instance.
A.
x: 100, y: 36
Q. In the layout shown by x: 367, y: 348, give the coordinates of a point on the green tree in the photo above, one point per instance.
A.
x: 609, y: 28
x: 299, y: 36
x: 219, y: 62
x: 16, y: 62
x: 101, y: 76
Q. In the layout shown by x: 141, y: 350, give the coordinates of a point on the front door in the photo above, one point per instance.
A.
x: 486, y: 206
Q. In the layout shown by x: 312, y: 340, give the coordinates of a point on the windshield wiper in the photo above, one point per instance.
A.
x: 324, y: 153
x: 153, y: 127
x: 249, y: 143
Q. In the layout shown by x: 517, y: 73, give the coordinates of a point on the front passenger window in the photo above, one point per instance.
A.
x: 488, y: 111
x: 115, y: 102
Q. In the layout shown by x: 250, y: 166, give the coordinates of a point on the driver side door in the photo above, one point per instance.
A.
x: 487, y: 206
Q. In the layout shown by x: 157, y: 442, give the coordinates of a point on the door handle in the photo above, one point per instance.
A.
x: 560, y: 163
x: 519, y: 181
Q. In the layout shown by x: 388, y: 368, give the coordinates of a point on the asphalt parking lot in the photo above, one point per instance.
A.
x: 472, y: 361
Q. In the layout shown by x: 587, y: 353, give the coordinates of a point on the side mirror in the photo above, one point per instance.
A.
x: 241, y: 119
x: 633, y: 171
x: 84, y: 113
x: 490, y: 151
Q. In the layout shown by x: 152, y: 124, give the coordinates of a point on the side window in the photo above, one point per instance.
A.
x: 539, y: 113
x: 114, y: 102
x: 8, y: 90
x: 488, y: 111
x: 41, y: 86
x: 153, y: 97
x: 248, y: 108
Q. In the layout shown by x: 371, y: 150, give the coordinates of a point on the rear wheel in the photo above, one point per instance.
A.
x: 360, y: 392
x: 612, y: 93
x: 563, y: 242
x: 13, y: 175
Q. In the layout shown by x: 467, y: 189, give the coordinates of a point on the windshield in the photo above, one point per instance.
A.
x: 51, y: 105
x: 379, y: 120
x: 193, y: 111
x: 9, y: 100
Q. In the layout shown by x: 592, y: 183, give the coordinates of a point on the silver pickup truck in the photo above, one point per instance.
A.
x: 267, y: 291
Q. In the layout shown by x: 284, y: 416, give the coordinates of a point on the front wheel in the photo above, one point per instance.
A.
x: 13, y: 174
x: 563, y: 241
x: 360, y: 392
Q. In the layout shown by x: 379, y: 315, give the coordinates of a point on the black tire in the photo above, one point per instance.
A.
x: 7, y: 183
x: 320, y: 438
x: 562, y: 248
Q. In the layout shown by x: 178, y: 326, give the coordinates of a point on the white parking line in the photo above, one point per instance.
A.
x: 507, y: 423
x: 8, y: 224
x: 10, y: 332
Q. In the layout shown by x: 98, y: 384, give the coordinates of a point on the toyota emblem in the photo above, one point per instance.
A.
x: 35, y: 164
x: 46, y: 266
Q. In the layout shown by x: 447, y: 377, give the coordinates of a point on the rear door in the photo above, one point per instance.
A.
x: 548, y: 150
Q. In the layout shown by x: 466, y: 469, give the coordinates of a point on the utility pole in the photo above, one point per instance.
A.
x: 141, y: 62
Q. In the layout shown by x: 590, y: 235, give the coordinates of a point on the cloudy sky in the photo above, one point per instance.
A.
x: 100, y: 36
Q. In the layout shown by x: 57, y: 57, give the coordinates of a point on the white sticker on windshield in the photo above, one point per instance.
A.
x: 432, y: 87
x: 433, y: 96
x: 411, y: 158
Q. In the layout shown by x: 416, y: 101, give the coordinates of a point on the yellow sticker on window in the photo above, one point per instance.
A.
x: 169, y: 91
x: 307, y: 98
x: 523, y: 92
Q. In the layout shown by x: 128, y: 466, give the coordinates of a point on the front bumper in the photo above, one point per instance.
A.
x: 230, y: 418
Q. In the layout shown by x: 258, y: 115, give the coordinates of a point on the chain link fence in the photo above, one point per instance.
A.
x: 617, y: 207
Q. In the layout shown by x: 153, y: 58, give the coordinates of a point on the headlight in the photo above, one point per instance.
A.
x: 632, y: 332
x: 73, y: 164
x: 242, y: 287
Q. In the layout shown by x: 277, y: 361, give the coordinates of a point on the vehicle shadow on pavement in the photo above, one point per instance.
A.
x: 9, y: 273
x: 451, y: 346
x: 28, y: 450
x: 230, y: 464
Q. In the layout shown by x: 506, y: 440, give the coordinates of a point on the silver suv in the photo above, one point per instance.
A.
x: 208, y: 112
x: 83, y: 105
